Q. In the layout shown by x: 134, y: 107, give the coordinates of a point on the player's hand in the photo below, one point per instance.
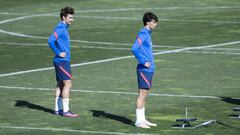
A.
x: 63, y: 54
x: 147, y: 64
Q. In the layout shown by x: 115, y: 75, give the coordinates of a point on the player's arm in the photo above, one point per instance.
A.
x: 138, y: 51
x: 51, y: 42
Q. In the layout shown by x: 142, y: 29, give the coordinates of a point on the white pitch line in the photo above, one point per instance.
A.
x: 23, y: 17
x: 69, y: 130
x: 161, y: 19
x: 150, y: 8
x: 73, y: 65
x: 223, y: 49
x: 137, y: 9
x: 126, y: 9
x: 72, y: 46
x: 115, y: 92
x: 117, y: 48
x: 128, y: 49
x: 24, y: 44
x: 122, y: 18
x: 110, y: 43
x: 197, y: 48
x: 205, y: 52
x: 6, y: 13
x: 124, y: 57
x: 76, y: 41
x: 156, y: 8
x: 21, y: 35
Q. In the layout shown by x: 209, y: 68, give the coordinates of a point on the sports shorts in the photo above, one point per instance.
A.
x: 144, y: 79
x: 63, y: 70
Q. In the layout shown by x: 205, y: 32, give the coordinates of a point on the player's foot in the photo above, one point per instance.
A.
x: 150, y: 124
x: 141, y: 125
x: 60, y: 112
x: 70, y: 114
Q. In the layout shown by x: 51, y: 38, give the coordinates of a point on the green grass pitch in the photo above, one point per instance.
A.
x: 197, y: 55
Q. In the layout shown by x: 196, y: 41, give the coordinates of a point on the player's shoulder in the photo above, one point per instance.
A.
x: 60, y: 28
x: 142, y: 33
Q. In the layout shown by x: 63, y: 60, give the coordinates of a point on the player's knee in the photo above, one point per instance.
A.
x: 142, y: 96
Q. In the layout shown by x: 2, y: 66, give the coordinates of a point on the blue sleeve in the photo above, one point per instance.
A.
x: 137, y: 49
x: 52, y: 41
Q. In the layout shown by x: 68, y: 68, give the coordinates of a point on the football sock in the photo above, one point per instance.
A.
x: 65, y: 105
x: 58, y: 103
x: 139, y: 117
x: 143, y: 113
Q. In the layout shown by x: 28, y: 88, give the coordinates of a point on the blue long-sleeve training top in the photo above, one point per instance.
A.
x: 142, y: 49
x: 59, y: 41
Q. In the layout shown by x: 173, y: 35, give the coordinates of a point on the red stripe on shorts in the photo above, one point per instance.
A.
x: 65, y: 72
x: 145, y: 79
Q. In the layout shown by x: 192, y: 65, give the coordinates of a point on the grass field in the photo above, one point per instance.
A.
x: 197, y: 55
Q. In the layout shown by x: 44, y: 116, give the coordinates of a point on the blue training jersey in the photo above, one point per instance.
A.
x: 142, y: 49
x: 59, y: 41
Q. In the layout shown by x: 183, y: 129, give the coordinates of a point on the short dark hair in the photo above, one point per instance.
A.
x: 65, y: 11
x: 148, y: 17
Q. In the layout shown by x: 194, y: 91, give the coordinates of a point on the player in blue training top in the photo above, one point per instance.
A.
x: 142, y: 50
x: 59, y: 42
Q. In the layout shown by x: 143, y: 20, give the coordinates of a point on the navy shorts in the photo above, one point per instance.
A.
x: 144, y: 79
x: 63, y: 70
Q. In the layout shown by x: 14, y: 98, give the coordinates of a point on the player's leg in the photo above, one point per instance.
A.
x: 145, y: 84
x: 140, y: 104
x: 64, y: 75
x: 148, y: 79
x: 142, y: 94
x: 66, y: 94
x: 59, y: 87
x: 58, y: 98
x: 67, y: 85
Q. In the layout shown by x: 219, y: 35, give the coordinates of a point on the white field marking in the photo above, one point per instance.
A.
x: 200, y: 21
x: 137, y: 9
x: 104, y: 47
x: 6, y: 13
x: 21, y: 35
x: 206, y: 52
x: 128, y: 49
x: 23, y: 17
x: 197, y: 48
x: 161, y: 19
x: 69, y: 130
x: 72, y: 46
x: 223, y: 49
x: 23, y: 44
x: 114, y: 92
x: 202, y: 52
x: 119, y: 44
x: 128, y: 9
x: 73, y: 65
x: 77, y: 41
x: 123, y: 57
x: 150, y: 8
x: 156, y: 8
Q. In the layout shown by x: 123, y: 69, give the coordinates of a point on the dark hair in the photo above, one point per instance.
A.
x: 65, y: 11
x: 148, y: 17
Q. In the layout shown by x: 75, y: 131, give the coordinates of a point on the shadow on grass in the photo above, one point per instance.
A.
x: 26, y: 104
x: 103, y: 114
x: 230, y: 100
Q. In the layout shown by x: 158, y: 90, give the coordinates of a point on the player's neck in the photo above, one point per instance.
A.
x: 148, y: 28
